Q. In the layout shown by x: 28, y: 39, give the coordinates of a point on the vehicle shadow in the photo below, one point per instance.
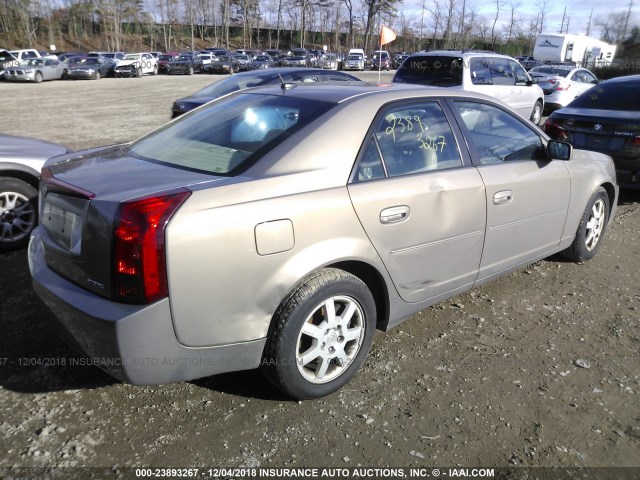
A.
x: 34, y: 359
x: 628, y: 197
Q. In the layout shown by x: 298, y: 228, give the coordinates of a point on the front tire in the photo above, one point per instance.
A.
x: 37, y: 77
x: 320, y: 335
x: 97, y: 75
x: 536, y: 113
x: 18, y: 213
x: 592, y: 228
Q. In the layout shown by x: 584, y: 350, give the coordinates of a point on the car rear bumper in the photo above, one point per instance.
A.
x: 134, y: 343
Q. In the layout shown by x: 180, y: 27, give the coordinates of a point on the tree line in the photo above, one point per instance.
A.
x: 168, y: 25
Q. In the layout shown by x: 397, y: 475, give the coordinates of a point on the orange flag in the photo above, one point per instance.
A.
x: 386, y: 35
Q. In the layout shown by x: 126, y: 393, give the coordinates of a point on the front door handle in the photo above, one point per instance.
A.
x: 394, y: 214
x: 503, y: 197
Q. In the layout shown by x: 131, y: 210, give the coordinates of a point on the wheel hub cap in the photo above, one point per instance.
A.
x: 330, y: 339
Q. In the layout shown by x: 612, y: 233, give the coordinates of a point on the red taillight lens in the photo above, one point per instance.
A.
x: 636, y: 141
x: 555, y: 131
x: 562, y: 86
x: 140, y: 258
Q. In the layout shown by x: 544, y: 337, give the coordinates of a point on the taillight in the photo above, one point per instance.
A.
x: 562, y: 86
x: 636, y: 141
x: 555, y: 131
x: 140, y: 259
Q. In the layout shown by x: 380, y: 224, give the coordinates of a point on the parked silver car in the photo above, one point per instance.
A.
x: 36, y: 70
x: 21, y: 159
x: 561, y: 83
x: 244, y: 235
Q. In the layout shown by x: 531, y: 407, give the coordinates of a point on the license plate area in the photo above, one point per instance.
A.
x: 63, y: 225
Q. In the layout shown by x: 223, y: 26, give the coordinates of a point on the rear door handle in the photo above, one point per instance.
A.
x: 394, y: 214
x: 500, y: 198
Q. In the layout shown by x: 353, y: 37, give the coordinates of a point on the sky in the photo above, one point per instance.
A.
x: 578, y: 12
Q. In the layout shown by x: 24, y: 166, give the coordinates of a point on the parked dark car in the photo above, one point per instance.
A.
x: 164, y: 59
x: 92, y: 68
x: 187, y: 63
x: 297, y: 57
x: 380, y: 61
x: 398, y: 58
x: 263, y: 61
x: 277, y: 55
x: 223, y: 64
x: 257, y: 78
x: 605, y: 119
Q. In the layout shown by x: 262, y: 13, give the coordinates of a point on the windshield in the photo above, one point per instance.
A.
x: 184, y: 57
x: 438, y: 71
x: 132, y: 56
x: 263, y: 58
x: 610, y: 96
x: 354, y: 57
x: 227, y: 136
x: 4, y: 56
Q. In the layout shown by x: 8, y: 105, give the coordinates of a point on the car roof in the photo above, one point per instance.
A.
x: 625, y: 79
x: 339, y: 93
x: 466, y: 53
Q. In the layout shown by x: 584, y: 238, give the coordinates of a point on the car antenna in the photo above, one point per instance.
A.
x: 284, y: 85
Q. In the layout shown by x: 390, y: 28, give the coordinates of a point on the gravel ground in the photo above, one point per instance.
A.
x: 540, y: 368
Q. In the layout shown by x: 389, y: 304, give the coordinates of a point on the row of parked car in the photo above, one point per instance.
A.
x: 34, y: 66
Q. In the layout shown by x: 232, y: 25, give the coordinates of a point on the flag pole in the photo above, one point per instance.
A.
x: 379, y: 59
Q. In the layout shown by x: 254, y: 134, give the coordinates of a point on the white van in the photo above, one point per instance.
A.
x: 490, y: 73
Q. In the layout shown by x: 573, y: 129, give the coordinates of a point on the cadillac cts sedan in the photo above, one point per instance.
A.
x: 243, y: 235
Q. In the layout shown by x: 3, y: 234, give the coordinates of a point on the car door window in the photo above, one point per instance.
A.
x: 519, y: 73
x: 501, y: 72
x: 497, y: 135
x: 480, y: 73
x: 407, y: 139
x: 589, y: 78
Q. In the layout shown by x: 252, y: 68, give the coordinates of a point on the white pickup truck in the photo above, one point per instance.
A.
x: 29, y: 53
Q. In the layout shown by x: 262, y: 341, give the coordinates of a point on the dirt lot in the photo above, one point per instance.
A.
x: 496, y: 377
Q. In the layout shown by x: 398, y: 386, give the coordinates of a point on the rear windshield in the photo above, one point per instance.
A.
x: 438, y: 71
x: 610, y: 96
x: 229, y: 135
x: 558, y: 72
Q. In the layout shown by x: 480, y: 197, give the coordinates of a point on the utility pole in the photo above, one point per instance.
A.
x: 589, y: 24
x: 626, y: 20
x: 563, y: 15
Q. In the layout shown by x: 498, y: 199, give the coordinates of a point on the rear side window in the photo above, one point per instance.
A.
x: 437, y: 71
x: 610, y: 96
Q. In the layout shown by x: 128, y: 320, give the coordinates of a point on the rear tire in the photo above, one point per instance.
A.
x: 320, y: 335
x: 18, y: 213
x: 592, y: 228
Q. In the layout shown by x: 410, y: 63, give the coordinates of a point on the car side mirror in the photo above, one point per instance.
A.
x: 559, y: 150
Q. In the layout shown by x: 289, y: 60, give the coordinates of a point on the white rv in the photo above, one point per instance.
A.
x: 579, y: 49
